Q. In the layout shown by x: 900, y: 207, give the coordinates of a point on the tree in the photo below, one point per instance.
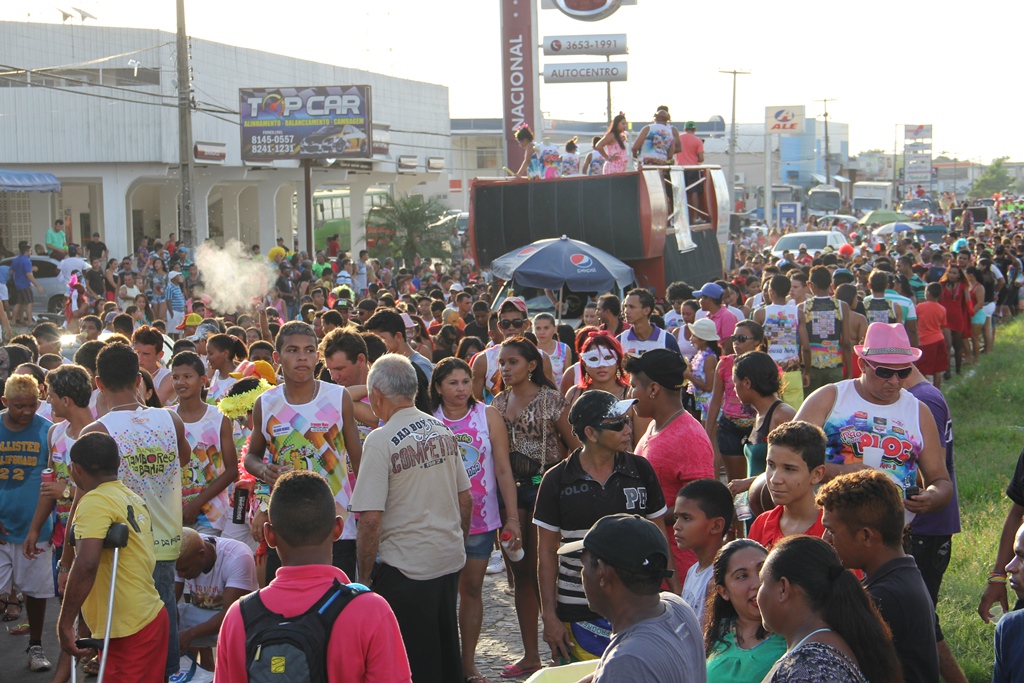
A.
x: 408, y: 226
x: 994, y: 178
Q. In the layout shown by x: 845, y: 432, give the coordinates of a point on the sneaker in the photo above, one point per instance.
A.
x: 496, y: 564
x: 37, y: 660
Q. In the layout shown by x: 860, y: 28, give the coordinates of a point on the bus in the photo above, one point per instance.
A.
x: 332, y: 213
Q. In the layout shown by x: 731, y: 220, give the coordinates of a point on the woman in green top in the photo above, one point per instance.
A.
x: 758, y: 382
x: 738, y: 648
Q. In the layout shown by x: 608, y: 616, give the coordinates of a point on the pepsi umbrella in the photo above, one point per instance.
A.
x: 890, y: 228
x: 557, y: 263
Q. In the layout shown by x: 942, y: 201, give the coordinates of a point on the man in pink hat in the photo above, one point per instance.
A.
x: 513, y: 321
x: 871, y: 422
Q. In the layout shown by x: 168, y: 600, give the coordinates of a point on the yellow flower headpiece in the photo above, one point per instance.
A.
x: 239, y: 405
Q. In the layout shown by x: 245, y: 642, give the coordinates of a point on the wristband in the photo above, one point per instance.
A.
x: 61, y: 569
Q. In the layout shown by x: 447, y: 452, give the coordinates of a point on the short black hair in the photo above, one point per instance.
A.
x: 610, y: 303
x: 191, y: 359
x: 386, y: 320
x: 375, y: 346
x: 29, y: 343
x: 86, y: 355
x: 645, y: 297
x: 94, y: 320
x: 802, y: 437
x: 182, y: 345
x: 780, y: 284
x: 713, y: 499
x: 71, y: 381
x: 96, y: 453
x: 117, y: 366
x: 294, y: 328
x: 479, y: 306
x: 332, y: 317
x: 302, y: 509
x: 124, y: 324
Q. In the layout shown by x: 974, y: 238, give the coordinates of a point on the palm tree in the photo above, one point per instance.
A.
x: 408, y: 227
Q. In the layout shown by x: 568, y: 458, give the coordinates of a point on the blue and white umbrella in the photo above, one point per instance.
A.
x: 557, y: 263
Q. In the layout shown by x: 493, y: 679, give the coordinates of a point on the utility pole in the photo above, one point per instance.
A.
x: 609, y: 86
x: 186, y: 217
x: 732, y: 136
x: 828, y: 170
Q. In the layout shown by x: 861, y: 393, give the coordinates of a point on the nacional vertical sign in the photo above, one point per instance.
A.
x: 518, y: 73
x: 306, y: 123
x: 784, y: 120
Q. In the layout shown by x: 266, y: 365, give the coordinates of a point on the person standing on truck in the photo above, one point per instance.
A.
x: 613, y: 146
x: 691, y: 153
x: 658, y: 142
x: 541, y: 161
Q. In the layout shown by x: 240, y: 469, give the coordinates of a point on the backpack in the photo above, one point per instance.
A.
x: 283, y: 649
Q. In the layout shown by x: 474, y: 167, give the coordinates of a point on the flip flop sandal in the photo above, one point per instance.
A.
x: 18, y: 629
x: 513, y: 671
x: 7, y: 615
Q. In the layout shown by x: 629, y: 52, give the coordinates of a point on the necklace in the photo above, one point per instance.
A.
x: 316, y: 390
x: 127, y: 405
x: 669, y: 421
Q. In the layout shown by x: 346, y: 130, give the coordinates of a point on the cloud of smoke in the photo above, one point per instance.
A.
x: 231, y: 277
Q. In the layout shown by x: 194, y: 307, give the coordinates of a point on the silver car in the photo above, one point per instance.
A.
x: 45, y: 270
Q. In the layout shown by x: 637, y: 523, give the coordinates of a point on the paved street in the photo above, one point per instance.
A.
x: 499, y: 639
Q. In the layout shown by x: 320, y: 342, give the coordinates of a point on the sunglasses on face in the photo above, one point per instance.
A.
x: 614, y: 426
x: 740, y: 339
x: 517, y: 323
x: 882, y: 372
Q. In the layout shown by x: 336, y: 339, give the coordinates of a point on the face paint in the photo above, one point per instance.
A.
x: 599, y: 357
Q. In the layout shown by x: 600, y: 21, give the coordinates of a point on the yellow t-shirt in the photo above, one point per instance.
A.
x: 136, y: 601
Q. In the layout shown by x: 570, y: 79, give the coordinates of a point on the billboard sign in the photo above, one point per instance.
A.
x: 520, y: 101
x: 319, y: 122
x: 784, y: 120
x: 789, y: 212
x: 586, y: 10
x: 595, y: 72
x: 564, y: 46
x: 918, y: 132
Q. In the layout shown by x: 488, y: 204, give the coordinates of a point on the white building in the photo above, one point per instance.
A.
x: 96, y: 107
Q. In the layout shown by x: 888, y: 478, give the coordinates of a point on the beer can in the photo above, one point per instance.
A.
x: 49, y: 475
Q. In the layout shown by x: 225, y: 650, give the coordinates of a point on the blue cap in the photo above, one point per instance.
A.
x: 710, y: 289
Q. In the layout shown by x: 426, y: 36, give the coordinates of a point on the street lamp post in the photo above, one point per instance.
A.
x: 732, y: 135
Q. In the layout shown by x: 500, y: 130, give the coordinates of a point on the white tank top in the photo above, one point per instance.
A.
x: 493, y: 372
x: 148, y: 445
x: 205, y: 465
x: 782, y: 328
x: 887, y: 438
x: 558, y: 360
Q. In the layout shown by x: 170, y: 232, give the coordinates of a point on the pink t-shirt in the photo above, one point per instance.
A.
x: 731, y: 405
x: 931, y: 318
x: 692, y: 146
x: 365, y: 647
x: 679, y: 454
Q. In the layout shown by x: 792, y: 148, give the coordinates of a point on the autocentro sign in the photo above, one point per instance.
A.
x: 595, y: 72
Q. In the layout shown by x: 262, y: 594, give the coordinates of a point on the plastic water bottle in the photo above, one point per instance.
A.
x: 741, y: 501
x: 506, y: 541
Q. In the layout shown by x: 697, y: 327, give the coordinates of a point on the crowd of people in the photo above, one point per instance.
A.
x: 750, y: 480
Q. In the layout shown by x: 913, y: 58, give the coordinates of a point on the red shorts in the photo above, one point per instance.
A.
x: 109, y: 296
x: 132, y: 658
x: 934, y: 358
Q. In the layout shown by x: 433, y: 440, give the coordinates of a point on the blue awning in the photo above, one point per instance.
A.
x: 25, y: 181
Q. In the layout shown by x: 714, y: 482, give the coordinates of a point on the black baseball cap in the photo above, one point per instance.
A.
x: 627, y: 542
x: 662, y: 366
x: 594, y: 406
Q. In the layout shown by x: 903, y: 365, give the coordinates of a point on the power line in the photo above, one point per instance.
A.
x: 85, y: 83
x: 92, y: 61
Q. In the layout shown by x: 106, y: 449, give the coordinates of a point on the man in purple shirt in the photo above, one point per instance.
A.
x: 931, y: 535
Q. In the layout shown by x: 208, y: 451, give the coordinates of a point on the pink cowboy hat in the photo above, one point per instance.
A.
x: 886, y: 344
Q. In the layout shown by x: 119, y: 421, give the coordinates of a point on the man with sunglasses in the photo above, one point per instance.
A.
x: 513, y: 321
x: 872, y: 422
x: 598, y: 479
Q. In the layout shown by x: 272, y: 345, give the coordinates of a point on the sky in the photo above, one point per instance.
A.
x: 885, y: 63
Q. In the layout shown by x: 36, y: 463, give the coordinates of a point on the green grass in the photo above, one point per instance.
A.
x: 988, y: 436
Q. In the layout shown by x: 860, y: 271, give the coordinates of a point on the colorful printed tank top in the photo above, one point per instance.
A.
x: 474, y: 439
x: 558, y: 360
x: 823, y: 316
x: 205, y: 465
x: 781, y: 327
x: 702, y: 398
x: 618, y: 158
x: 308, y: 436
x: 219, y: 388
x: 596, y: 165
x: 887, y: 438
x: 879, y: 310
x: 657, y: 144
x: 545, y: 162
x: 60, y: 449
x: 570, y: 164
x: 148, y: 444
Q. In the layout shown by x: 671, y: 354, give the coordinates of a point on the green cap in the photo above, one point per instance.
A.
x: 689, y: 125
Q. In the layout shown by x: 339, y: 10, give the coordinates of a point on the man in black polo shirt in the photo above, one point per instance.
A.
x: 862, y: 513
x: 599, y: 479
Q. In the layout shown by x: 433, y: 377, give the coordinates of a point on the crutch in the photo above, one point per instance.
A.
x: 116, y: 538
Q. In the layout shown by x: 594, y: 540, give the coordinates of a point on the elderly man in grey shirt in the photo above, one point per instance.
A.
x: 655, y: 635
